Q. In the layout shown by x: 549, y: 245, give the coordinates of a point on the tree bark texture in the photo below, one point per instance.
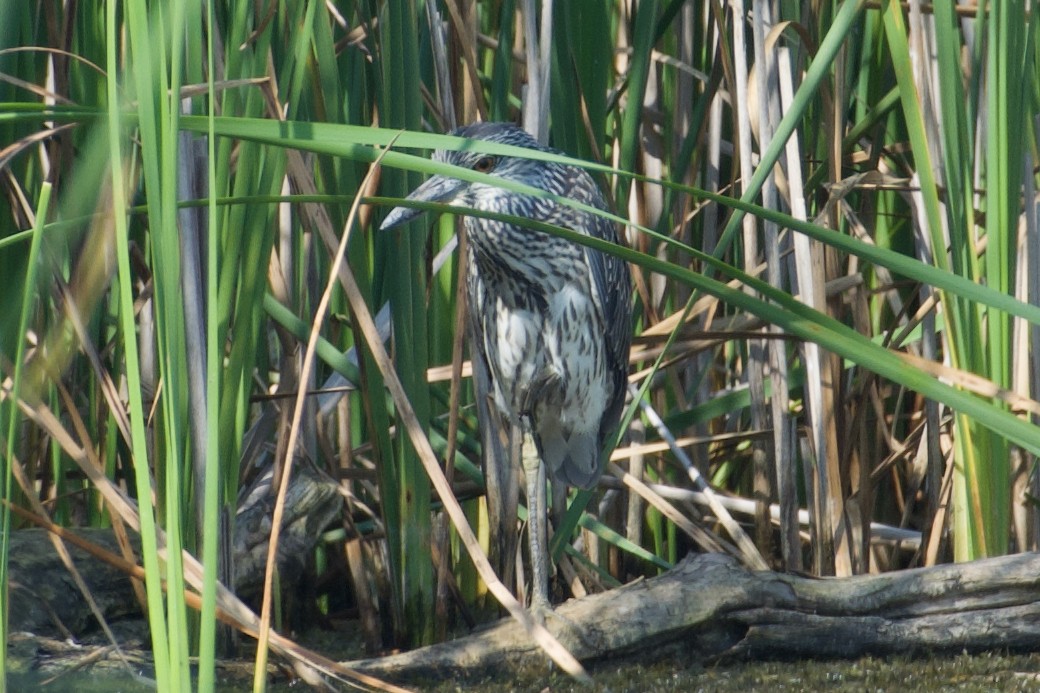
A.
x: 44, y: 599
x: 710, y: 606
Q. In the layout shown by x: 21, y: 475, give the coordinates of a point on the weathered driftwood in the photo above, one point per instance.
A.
x: 312, y: 501
x: 709, y: 606
x: 44, y: 598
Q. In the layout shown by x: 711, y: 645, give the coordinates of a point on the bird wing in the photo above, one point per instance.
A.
x: 610, y: 278
x: 611, y: 287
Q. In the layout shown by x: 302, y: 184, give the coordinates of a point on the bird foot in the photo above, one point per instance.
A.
x: 541, y: 609
x: 543, y: 613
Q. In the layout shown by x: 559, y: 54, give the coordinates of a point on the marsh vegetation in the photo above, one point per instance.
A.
x: 831, y: 218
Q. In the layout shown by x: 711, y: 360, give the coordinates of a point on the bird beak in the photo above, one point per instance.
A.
x: 436, y: 189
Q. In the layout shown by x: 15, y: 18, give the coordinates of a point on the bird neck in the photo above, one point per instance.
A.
x: 519, y: 254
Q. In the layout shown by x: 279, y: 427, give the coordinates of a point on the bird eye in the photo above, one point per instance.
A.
x: 484, y: 164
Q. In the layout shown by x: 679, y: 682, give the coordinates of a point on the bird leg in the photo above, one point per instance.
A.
x: 538, y: 538
x: 534, y: 473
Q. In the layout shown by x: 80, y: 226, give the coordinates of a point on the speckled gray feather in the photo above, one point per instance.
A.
x: 551, y: 318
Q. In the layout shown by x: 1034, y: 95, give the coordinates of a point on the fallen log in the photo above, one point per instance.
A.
x: 44, y: 599
x: 709, y: 606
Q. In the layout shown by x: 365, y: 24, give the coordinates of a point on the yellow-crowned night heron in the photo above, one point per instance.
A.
x: 550, y: 319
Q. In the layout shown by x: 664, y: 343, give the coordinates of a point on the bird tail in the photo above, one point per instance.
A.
x: 574, y: 460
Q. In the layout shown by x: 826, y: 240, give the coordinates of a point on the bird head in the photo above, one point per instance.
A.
x: 448, y: 190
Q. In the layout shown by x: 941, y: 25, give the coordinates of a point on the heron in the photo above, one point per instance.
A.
x: 550, y: 321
